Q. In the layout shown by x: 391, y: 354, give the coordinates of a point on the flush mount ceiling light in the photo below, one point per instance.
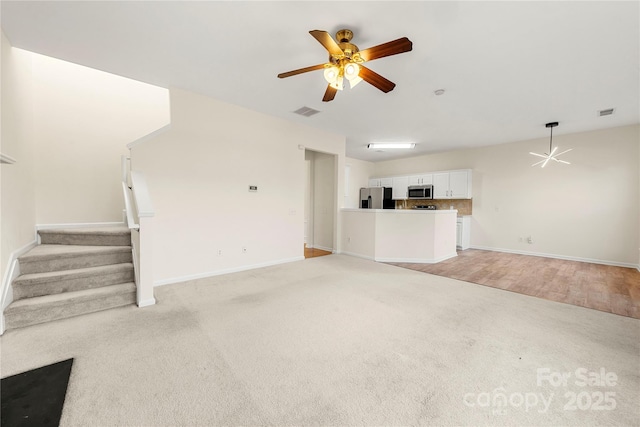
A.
x: 552, y: 152
x: 391, y: 145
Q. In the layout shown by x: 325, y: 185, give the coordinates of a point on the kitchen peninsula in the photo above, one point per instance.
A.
x: 399, y: 235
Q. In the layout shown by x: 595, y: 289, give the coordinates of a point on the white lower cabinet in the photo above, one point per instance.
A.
x: 463, y: 232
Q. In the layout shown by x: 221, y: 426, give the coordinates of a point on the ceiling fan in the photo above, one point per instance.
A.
x: 551, y: 155
x: 345, y: 61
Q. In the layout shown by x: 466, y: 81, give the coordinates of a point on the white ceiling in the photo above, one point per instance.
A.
x: 507, y: 67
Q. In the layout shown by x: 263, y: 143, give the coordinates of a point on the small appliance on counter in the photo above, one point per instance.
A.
x: 420, y: 192
x: 376, y: 198
x: 426, y: 207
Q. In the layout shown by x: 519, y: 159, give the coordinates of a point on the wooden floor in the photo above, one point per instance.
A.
x: 600, y: 287
x: 312, y: 252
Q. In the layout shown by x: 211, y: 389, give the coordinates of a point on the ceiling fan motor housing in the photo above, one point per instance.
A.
x: 344, y: 41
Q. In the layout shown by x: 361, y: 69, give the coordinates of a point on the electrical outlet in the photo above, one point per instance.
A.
x: 529, y: 240
x: 219, y: 252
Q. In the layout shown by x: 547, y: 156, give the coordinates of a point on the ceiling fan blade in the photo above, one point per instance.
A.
x: 541, y: 161
x: 327, y: 41
x: 536, y: 154
x: 300, y: 71
x: 376, y: 79
x: 329, y: 94
x: 387, y: 49
x: 565, y: 151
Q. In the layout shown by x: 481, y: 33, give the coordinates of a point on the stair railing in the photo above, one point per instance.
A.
x: 138, y: 205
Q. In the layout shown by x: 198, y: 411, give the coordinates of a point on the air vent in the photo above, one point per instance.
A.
x: 306, y: 111
x: 607, y: 112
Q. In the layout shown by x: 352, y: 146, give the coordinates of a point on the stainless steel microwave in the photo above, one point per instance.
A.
x: 420, y: 192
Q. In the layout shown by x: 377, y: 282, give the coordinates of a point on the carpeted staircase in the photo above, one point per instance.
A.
x: 72, y: 272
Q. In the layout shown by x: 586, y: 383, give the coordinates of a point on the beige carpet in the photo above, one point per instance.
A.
x: 338, y: 340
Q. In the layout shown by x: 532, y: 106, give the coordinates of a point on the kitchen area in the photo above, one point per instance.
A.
x: 422, y: 218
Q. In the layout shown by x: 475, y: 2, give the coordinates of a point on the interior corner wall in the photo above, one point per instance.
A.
x: 84, y: 118
x: 308, y: 199
x: 586, y: 211
x: 17, y: 202
x: 324, y: 201
x: 359, y: 173
x: 199, y: 172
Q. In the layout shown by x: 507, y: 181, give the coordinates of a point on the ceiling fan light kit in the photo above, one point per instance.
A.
x: 346, y: 59
x: 551, y: 155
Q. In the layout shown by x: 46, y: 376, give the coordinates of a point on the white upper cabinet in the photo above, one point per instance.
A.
x: 441, y: 185
x: 426, y: 179
x: 381, y: 182
x: 460, y: 184
x: 452, y: 185
x: 400, y: 185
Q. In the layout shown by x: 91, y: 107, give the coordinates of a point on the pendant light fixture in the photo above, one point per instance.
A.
x: 552, y: 151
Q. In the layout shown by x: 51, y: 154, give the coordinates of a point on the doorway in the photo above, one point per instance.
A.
x: 319, y: 206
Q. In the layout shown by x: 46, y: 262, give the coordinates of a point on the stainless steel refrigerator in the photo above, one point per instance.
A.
x: 376, y: 198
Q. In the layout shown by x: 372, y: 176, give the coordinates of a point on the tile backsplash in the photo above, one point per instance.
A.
x: 464, y: 206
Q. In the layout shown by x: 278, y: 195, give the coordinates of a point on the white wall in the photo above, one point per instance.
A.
x: 198, y: 173
x: 84, y: 120
x: 18, y: 208
x: 587, y: 210
x: 359, y: 173
x: 308, y: 199
x: 324, y: 201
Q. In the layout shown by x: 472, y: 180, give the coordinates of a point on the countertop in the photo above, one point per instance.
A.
x: 402, y: 211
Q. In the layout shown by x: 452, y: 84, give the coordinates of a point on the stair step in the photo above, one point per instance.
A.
x: 46, y: 258
x: 55, y: 282
x: 31, y: 311
x: 87, y: 236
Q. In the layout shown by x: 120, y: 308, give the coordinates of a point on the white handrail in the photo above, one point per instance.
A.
x: 141, y: 195
x: 128, y: 208
x: 138, y: 205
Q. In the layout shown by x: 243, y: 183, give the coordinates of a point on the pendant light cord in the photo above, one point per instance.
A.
x: 551, y: 140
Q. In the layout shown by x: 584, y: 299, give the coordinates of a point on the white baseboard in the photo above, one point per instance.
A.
x: 322, y: 248
x: 224, y: 271
x: 12, y: 271
x: 568, y: 258
x: 410, y: 260
x: 147, y: 302
x: 370, y: 258
x: 418, y: 260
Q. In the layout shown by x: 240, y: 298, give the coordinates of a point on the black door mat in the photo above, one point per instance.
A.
x: 36, y: 397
